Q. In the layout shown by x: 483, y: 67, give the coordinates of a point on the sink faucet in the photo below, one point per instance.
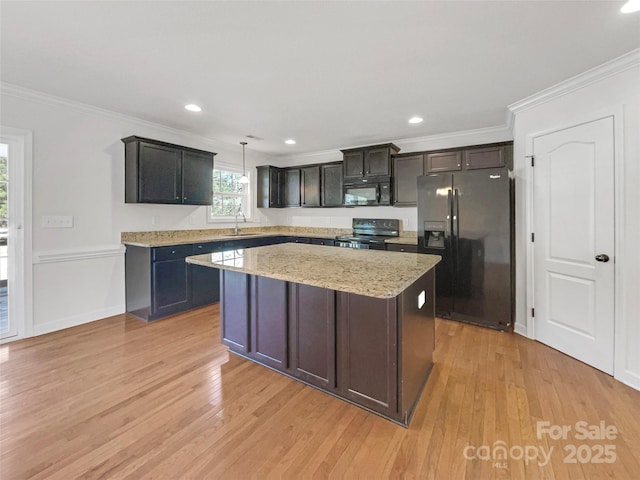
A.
x: 236, y: 230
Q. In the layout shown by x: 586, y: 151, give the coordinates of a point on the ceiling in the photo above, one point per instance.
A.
x: 328, y: 74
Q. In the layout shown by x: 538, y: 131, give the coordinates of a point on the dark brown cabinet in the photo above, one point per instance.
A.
x: 269, y: 322
x: 406, y: 170
x: 164, y: 173
x: 292, y: 187
x: 402, y: 247
x: 353, y: 164
x: 270, y: 187
x: 323, y: 241
x: 331, y: 185
x: 487, y: 156
x: 490, y: 157
x: 312, y: 334
x: 372, y: 161
x: 443, y: 162
x: 368, y: 351
x: 310, y: 181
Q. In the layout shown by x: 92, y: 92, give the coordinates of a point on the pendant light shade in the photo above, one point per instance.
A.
x: 243, y: 179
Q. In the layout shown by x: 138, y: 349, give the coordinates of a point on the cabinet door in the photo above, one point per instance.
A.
x: 491, y: 157
x: 377, y: 162
x: 159, y: 175
x: 205, y: 285
x: 368, y: 351
x: 171, y: 290
x: 197, y: 178
x: 269, y: 321
x: 331, y: 185
x: 406, y: 171
x: 443, y: 162
x: 353, y: 164
x: 276, y: 187
x: 234, y: 310
x: 292, y: 187
x: 310, y: 186
x: 312, y: 334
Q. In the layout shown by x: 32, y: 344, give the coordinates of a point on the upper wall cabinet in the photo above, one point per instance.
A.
x: 486, y: 156
x: 292, y: 187
x: 331, y: 183
x: 310, y: 181
x: 271, y: 187
x: 373, y: 161
x: 406, y: 170
x: 160, y: 172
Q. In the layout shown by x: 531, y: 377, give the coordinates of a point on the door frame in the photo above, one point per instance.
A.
x: 617, y: 114
x: 21, y: 143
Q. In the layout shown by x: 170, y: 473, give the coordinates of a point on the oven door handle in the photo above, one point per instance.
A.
x: 378, y: 194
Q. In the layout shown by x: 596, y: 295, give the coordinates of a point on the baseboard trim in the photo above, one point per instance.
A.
x: 75, y: 320
x: 520, y: 329
x: 80, y: 254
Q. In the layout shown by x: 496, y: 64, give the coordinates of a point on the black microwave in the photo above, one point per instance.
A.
x: 362, y: 192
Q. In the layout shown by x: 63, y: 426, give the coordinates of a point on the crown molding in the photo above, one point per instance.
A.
x: 613, y: 67
x: 23, y: 93
x: 498, y: 133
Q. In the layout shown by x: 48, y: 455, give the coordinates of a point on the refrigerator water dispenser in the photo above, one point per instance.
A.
x: 434, y: 234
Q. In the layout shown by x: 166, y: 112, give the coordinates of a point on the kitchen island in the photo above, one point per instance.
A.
x: 357, y: 324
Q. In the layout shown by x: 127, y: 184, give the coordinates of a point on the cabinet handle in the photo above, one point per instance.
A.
x: 360, y: 172
x: 177, y: 198
x: 173, y: 251
x: 184, y: 198
x: 402, y: 249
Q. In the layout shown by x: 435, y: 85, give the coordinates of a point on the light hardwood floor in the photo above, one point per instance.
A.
x: 120, y: 398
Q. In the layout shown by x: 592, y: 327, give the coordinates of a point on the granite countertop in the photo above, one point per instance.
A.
x: 183, y: 237
x: 165, y: 238
x: 374, y: 273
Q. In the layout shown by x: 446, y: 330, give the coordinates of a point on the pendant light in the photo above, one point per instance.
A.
x: 243, y: 179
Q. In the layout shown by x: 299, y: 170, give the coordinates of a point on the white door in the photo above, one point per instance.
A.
x: 573, y: 190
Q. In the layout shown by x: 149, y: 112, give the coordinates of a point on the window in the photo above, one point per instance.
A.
x: 229, y: 196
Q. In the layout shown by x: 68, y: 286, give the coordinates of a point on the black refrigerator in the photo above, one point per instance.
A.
x: 466, y: 218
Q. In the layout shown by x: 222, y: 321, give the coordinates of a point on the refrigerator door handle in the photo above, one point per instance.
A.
x: 456, y: 212
x: 447, y: 224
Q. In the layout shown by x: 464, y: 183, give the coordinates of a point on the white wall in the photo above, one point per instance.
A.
x: 613, y: 89
x: 341, y: 217
x: 78, y: 169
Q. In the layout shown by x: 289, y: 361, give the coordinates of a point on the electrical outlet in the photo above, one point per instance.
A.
x: 57, y: 221
x: 405, y: 224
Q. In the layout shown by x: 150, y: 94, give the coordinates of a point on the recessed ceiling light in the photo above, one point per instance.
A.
x: 291, y: 141
x: 192, y: 107
x: 631, y: 6
x: 416, y: 120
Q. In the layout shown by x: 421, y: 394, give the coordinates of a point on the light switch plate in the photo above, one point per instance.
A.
x: 57, y: 221
x: 422, y: 299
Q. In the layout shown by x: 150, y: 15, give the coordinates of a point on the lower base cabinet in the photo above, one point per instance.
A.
x: 375, y: 353
x: 368, y: 351
x: 268, y: 321
x: 312, y: 335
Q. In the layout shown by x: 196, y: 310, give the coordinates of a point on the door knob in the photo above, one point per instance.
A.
x: 602, y: 258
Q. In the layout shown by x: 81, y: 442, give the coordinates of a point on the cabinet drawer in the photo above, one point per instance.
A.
x: 323, y: 241
x: 207, y: 247
x: 402, y: 247
x: 171, y: 253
